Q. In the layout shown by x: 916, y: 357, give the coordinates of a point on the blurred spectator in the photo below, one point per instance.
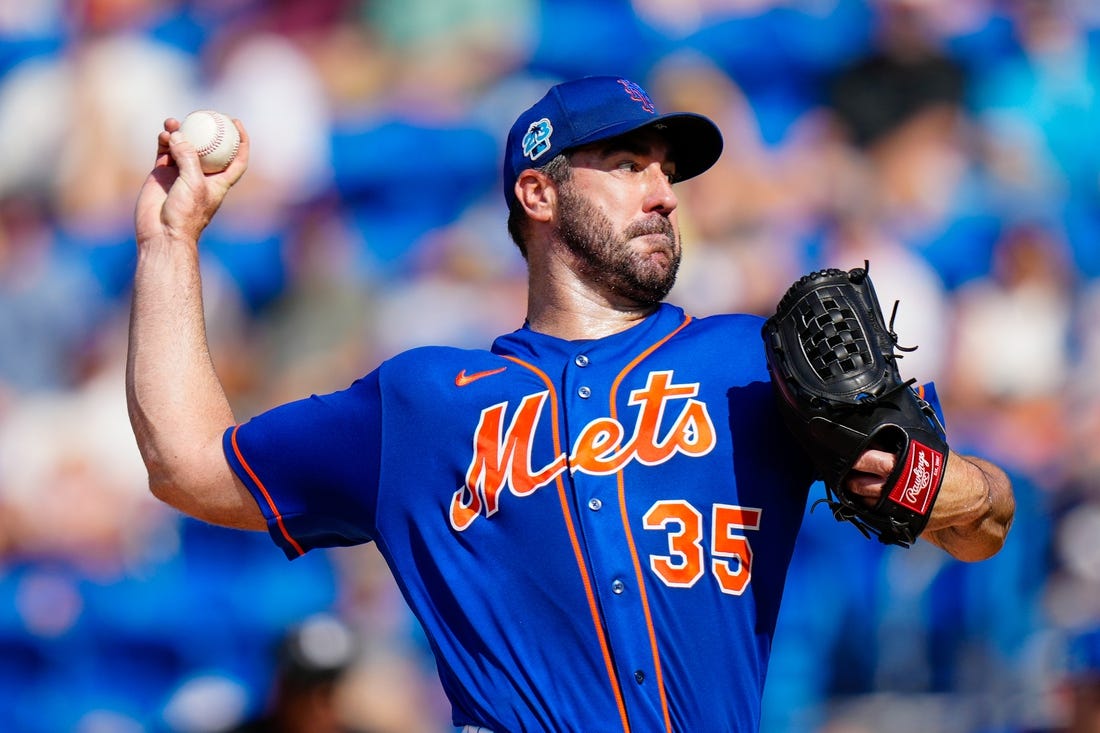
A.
x: 1076, y: 694
x: 450, y: 51
x: 310, y: 663
x: 779, y: 53
x: 907, y: 74
x: 1040, y: 108
x: 901, y: 109
x: 1011, y: 342
x: 69, y: 124
x: 1031, y: 287
x: 51, y: 303
x: 71, y: 481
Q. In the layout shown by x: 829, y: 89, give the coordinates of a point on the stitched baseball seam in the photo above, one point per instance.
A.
x: 219, y: 135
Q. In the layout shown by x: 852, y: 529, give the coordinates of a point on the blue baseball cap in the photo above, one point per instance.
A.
x: 594, y: 108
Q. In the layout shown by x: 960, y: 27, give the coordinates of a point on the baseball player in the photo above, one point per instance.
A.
x: 592, y: 519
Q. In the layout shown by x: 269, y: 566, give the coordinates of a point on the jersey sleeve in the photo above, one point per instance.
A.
x: 312, y: 466
x: 928, y: 393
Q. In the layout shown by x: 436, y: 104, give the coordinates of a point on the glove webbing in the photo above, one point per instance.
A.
x: 837, y: 345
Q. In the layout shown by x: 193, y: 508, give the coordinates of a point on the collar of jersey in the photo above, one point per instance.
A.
x: 533, y: 346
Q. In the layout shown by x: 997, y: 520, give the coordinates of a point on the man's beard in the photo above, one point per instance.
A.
x: 606, y: 258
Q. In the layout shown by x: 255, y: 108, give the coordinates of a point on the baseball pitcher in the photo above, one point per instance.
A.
x: 592, y: 518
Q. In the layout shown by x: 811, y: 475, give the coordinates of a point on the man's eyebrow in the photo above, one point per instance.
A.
x: 634, y: 144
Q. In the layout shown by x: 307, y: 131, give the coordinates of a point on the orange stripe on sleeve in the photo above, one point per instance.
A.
x: 263, y: 490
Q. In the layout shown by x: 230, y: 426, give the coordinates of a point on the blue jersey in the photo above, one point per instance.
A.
x: 594, y: 534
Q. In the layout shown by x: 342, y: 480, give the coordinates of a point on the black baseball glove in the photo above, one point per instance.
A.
x: 833, y: 364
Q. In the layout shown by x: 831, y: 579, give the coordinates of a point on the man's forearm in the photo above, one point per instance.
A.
x: 977, y: 509
x: 177, y: 406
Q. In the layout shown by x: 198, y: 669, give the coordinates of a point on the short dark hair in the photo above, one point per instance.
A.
x: 557, y: 170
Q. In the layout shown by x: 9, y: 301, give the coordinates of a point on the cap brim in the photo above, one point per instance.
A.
x: 695, y: 142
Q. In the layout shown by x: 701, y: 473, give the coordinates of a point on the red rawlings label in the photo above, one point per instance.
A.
x: 920, y: 475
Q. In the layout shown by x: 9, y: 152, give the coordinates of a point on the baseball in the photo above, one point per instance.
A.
x: 214, y: 136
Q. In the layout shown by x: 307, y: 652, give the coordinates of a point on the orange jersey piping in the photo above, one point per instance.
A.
x: 630, y: 536
x: 593, y: 609
x: 263, y: 490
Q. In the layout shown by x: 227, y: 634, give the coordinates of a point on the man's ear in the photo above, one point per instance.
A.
x: 536, y: 194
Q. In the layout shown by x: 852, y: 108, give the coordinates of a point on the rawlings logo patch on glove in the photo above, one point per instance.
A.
x: 833, y: 364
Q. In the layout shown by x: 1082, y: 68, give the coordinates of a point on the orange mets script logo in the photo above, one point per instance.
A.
x: 502, y: 455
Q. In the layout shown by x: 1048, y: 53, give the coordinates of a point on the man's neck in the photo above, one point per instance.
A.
x: 573, y: 311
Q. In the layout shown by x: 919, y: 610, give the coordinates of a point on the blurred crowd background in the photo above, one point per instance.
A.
x: 955, y: 144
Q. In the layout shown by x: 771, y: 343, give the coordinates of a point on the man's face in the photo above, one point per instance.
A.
x: 615, y: 214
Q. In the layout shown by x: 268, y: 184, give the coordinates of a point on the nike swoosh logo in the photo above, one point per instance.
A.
x: 464, y: 379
